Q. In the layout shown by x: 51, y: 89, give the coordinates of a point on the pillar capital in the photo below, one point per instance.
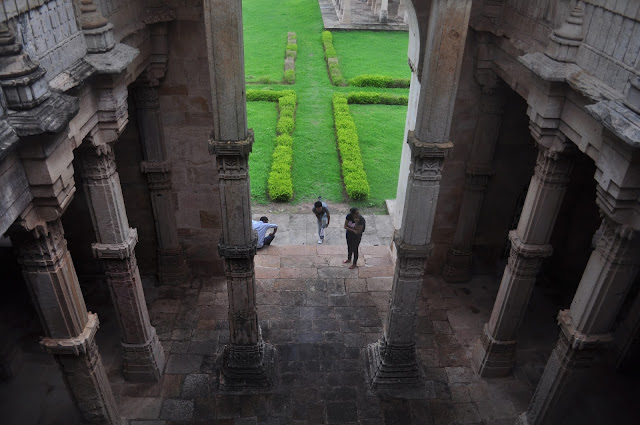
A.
x: 97, y: 162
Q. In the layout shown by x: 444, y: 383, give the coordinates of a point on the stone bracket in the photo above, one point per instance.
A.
x: 75, y: 345
x: 578, y: 340
x: 237, y: 251
x: 51, y: 116
x: 428, y: 149
x: 155, y: 166
x: 528, y: 250
x: 117, y: 251
x: 114, y: 61
x: 232, y: 147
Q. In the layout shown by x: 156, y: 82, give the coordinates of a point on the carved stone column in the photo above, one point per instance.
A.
x: 494, y: 354
x: 586, y: 327
x: 70, y: 330
x: 479, y: 169
x: 247, y: 362
x: 392, y: 360
x: 172, y: 268
x: 143, y: 355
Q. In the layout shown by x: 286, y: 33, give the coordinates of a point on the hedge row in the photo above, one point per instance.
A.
x: 330, y: 55
x: 355, y: 179
x: 370, y: 80
x: 368, y: 98
x: 291, y: 51
x: 279, y: 184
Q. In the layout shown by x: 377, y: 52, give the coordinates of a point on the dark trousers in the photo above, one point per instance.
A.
x: 269, y: 238
x: 353, y: 242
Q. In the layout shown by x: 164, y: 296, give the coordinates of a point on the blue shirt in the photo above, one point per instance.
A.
x: 262, y: 228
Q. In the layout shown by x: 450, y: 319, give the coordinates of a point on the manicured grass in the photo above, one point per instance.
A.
x: 381, y: 131
x: 262, y: 117
x: 372, y: 52
x: 316, y: 169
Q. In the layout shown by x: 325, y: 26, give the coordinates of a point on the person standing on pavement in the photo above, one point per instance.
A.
x: 321, y: 210
x: 262, y: 227
x: 355, y: 224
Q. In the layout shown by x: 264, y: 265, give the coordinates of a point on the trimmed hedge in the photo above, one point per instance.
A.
x: 370, y: 80
x: 368, y: 98
x: 279, y: 183
x: 290, y: 54
x: 331, y: 57
x: 355, y: 179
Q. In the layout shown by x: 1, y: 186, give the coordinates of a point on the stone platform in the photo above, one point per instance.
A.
x: 362, y: 18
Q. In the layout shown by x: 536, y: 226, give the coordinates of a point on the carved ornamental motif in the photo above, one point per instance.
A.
x: 97, y: 163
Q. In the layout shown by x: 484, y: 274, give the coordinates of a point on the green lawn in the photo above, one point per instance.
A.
x: 316, y: 170
x: 372, y: 52
x: 262, y: 117
x: 381, y: 131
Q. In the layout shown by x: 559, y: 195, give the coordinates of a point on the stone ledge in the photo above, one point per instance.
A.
x: 114, y: 61
x: 51, y: 116
x: 117, y: 251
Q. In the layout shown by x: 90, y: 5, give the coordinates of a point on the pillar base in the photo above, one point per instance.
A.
x: 143, y: 362
x: 522, y: 419
x: 457, y: 268
x: 172, y: 268
x: 246, y: 369
x: 492, y: 358
x: 392, y: 368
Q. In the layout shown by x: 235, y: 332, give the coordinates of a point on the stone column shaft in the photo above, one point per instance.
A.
x: 70, y: 330
x: 247, y: 362
x: 171, y: 264
x: 479, y: 169
x: 529, y: 246
x: 392, y: 360
x: 586, y: 327
x: 115, y: 247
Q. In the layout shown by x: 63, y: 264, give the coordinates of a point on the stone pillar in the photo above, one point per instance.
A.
x: 346, y: 12
x: 115, y: 247
x: 383, y: 16
x: 586, y: 327
x: 391, y: 362
x: 247, y: 362
x: 70, y: 330
x: 172, y: 268
x: 458, y: 266
x: 494, y: 353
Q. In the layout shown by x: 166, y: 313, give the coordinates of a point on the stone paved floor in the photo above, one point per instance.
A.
x: 320, y: 315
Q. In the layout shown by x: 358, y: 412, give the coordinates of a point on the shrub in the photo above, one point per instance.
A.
x: 279, y: 184
x: 285, y: 125
x: 369, y: 80
x: 331, y: 57
x: 293, y: 47
x: 291, y: 54
x: 290, y: 76
x: 354, y: 177
x: 376, y: 98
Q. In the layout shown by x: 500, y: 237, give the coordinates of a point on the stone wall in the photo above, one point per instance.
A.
x: 187, y: 121
x: 531, y: 21
x: 50, y: 34
x: 611, y: 47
